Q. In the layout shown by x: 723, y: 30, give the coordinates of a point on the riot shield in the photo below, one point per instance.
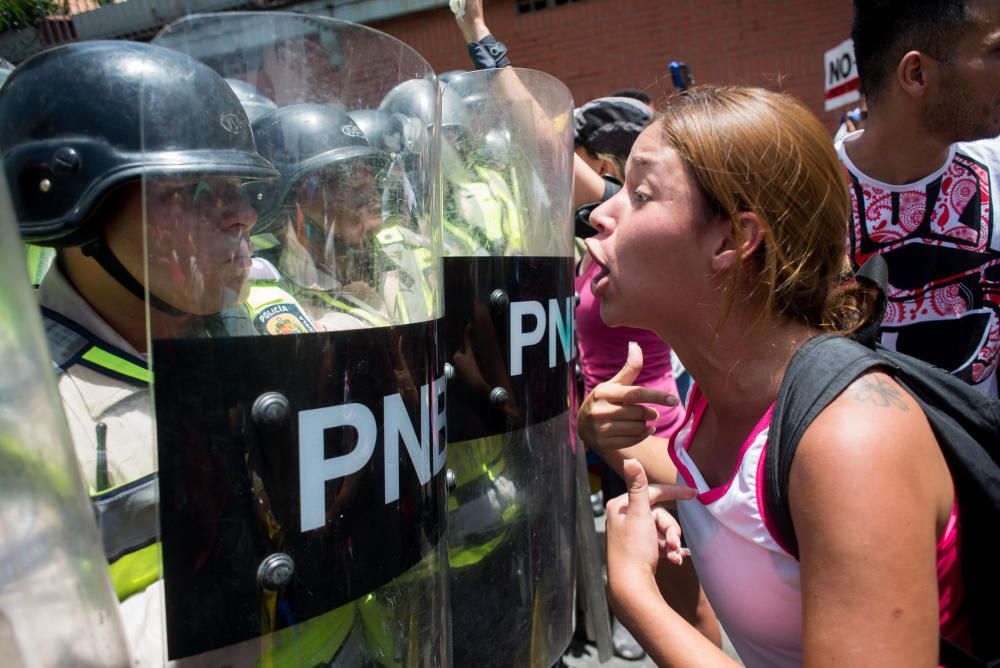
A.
x: 57, y: 607
x: 292, y: 275
x: 507, y: 166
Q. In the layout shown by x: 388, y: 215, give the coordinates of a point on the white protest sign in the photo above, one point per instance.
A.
x: 841, y: 73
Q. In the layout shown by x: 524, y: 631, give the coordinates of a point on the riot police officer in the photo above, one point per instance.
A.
x: 350, y: 242
x: 74, y: 154
x: 302, y: 477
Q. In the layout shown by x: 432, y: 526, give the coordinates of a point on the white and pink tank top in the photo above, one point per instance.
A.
x: 751, y: 581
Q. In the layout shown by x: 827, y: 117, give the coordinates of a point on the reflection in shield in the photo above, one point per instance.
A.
x: 302, y: 487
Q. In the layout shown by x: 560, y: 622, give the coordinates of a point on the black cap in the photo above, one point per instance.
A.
x: 610, y: 124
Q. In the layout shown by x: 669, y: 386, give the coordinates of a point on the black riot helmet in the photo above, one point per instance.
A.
x: 391, y: 133
x: 415, y: 98
x: 73, y: 120
x: 255, y: 103
x: 302, y: 139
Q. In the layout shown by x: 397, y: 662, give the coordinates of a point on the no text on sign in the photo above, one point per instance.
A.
x: 841, y: 74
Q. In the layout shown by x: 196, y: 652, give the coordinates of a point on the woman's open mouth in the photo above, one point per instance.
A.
x: 599, y: 281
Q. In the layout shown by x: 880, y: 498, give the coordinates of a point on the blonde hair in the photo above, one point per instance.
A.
x: 755, y: 150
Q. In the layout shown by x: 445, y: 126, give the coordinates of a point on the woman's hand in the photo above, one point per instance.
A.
x: 612, y: 417
x: 640, y: 532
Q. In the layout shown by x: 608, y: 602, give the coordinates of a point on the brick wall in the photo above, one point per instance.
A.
x: 596, y: 46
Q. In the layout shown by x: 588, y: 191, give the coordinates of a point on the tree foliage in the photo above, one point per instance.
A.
x: 15, y: 14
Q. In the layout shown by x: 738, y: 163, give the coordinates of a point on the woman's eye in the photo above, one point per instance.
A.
x: 640, y: 196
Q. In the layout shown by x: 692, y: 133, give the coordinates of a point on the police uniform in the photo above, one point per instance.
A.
x: 103, y: 380
x: 403, y: 293
x: 483, y: 206
x: 304, y: 141
x: 63, y: 154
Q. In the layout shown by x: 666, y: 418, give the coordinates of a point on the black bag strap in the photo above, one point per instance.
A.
x: 875, y: 274
x: 953, y: 656
x: 965, y: 422
x: 819, y: 371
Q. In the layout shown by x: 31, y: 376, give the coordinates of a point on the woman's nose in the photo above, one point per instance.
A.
x: 602, y: 218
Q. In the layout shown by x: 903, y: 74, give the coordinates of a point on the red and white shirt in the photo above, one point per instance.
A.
x: 941, y: 242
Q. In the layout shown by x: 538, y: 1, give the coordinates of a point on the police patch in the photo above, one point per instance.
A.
x: 282, y: 319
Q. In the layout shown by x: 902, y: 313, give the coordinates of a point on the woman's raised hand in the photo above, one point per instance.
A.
x: 640, y: 531
x: 612, y: 417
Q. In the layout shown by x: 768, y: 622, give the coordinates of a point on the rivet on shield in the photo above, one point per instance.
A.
x: 450, y: 479
x: 498, y: 397
x: 271, y: 410
x: 66, y: 161
x: 45, y: 185
x: 499, y: 301
x: 449, y: 371
x: 275, y: 572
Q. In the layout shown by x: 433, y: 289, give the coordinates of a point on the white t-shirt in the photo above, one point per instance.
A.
x: 941, y: 240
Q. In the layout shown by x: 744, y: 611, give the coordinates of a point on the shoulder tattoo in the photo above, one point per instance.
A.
x: 877, y: 392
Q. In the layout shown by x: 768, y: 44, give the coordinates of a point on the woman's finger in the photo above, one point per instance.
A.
x: 661, y: 493
x: 621, y: 428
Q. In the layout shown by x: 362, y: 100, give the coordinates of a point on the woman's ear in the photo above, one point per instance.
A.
x: 738, y: 240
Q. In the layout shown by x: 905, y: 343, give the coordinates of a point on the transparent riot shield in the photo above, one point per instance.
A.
x: 292, y: 271
x: 57, y: 607
x: 506, y: 159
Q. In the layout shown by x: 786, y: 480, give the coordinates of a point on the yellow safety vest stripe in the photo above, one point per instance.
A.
x: 135, y: 571
x: 463, y: 238
x: 475, y: 458
x: 460, y: 557
x: 423, y: 259
x: 513, y: 232
x: 112, y: 362
x: 310, y: 643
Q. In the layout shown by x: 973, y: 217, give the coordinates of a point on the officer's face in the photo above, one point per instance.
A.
x: 198, y: 236
x: 344, y: 200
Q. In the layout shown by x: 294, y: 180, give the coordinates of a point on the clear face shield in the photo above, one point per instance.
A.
x: 297, y: 378
x: 330, y: 224
x: 58, y: 604
x: 510, y: 309
x: 198, y: 240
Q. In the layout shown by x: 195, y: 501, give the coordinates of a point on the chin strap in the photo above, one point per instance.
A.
x: 98, y: 250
